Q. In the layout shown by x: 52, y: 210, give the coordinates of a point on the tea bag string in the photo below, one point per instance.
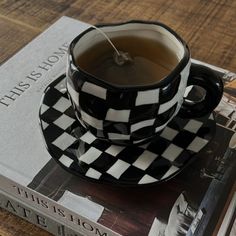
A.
x: 119, y: 57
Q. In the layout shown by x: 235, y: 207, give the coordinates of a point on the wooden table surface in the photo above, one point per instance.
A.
x: 209, y: 28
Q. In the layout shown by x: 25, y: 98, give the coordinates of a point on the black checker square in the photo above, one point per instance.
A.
x: 51, y: 115
x: 143, y: 133
x: 81, y: 168
x: 115, y: 98
x: 159, y: 168
x: 101, y: 145
x: 53, y: 97
x: 183, y: 138
x: 70, y: 112
x: 116, y: 127
x: 52, y: 132
x: 168, y: 92
x: 132, y: 175
x: 143, y: 112
x: 130, y: 154
x: 158, y: 146
x: 92, y: 105
x: 107, y: 178
x: 57, y: 153
x: 103, y: 162
x: 128, y: 158
x: 204, y: 132
x: 178, y: 123
x: 165, y: 116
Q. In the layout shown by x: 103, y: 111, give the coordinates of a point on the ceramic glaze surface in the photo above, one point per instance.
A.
x: 83, y: 154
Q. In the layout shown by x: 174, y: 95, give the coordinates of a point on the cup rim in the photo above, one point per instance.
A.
x: 166, y: 80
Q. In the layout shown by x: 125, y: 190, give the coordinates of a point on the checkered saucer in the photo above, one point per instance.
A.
x: 81, y: 153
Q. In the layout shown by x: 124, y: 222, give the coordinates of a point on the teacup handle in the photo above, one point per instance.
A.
x: 204, y: 77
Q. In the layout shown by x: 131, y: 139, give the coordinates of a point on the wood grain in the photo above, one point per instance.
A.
x: 11, y: 225
x: 209, y: 27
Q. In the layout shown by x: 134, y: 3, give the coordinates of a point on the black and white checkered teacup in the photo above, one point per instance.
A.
x: 135, y: 114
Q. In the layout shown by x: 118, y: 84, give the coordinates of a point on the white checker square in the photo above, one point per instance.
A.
x: 172, y: 152
x: 185, y: 72
x: 92, y: 173
x: 117, y: 136
x: 74, y: 94
x: 88, y: 137
x: 147, y: 97
x: 65, y: 160
x: 64, y: 121
x: 172, y: 170
x: 142, y: 124
x: 188, y: 90
x: 145, y: 160
x: 44, y: 124
x: 118, y: 115
x: 64, y: 141
x: 62, y: 104
x: 73, y: 67
x: 98, y: 124
x: 43, y: 108
x: 94, y: 90
x: 193, y: 126
x: 169, y: 133
x: 147, y: 179
x: 118, y: 168
x: 90, y: 156
x: 114, y: 150
x: 197, y: 144
x: 61, y: 86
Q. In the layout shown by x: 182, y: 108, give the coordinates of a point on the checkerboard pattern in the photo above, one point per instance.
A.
x: 81, y: 153
x: 125, y: 116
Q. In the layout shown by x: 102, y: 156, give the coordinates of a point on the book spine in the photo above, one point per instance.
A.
x: 50, y: 208
x: 30, y: 214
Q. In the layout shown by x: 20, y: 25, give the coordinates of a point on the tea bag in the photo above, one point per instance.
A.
x: 120, y: 58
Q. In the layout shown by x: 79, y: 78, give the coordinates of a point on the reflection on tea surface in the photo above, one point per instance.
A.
x: 151, y: 61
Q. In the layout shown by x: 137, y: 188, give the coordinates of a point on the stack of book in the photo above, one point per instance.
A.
x: 34, y: 187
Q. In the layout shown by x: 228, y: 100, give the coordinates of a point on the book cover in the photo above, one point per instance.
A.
x: 188, y: 204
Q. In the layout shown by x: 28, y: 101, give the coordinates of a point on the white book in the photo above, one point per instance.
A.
x: 24, y: 77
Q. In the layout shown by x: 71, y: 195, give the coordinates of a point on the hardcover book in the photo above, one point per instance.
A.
x: 32, y: 215
x: 189, y: 203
